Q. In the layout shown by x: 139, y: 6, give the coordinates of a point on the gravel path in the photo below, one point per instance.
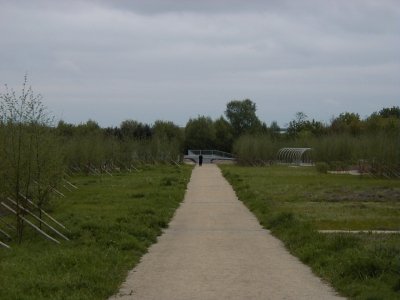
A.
x: 214, y: 248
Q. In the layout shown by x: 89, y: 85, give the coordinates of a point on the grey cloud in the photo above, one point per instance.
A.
x: 176, y: 59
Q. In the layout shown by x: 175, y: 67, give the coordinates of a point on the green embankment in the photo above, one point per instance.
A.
x: 112, y: 222
x: 295, y: 202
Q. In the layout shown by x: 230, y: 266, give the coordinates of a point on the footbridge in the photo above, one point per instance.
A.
x: 209, y: 156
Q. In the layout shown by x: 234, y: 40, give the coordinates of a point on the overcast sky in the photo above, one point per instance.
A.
x: 176, y: 59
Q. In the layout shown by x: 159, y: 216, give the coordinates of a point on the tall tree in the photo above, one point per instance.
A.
x: 167, y: 130
x: 200, y: 133
x: 131, y: 129
x: 347, y: 122
x: 274, y: 127
x: 242, y: 116
x: 223, y: 135
x: 167, y: 140
x: 297, y: 124
x: 390, y: 112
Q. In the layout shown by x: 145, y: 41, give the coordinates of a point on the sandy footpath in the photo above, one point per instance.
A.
x: 214, y: 248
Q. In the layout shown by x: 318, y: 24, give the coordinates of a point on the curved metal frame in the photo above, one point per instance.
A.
x: 293, y: 155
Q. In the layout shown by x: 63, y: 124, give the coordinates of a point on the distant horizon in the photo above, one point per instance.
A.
x: 268, y: 123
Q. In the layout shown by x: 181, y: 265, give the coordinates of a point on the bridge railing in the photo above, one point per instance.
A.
x: 210, y: 153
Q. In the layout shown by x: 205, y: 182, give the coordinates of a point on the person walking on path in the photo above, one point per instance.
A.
x: 200, y: 160
x: 215, y: 249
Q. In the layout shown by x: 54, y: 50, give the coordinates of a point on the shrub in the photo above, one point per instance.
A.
x: 322, y: 167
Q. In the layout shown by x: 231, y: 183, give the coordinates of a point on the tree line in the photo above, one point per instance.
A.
x: 36, y: 153
x: 346, y: 141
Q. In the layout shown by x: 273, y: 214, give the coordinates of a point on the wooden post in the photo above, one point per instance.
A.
x: 33, y: 225
x: 57, y: 192
x: 8, y: 225
x: 5, y: 245
x: 5, y: 233
x: 42, y: 211
x: 176, y: 163
x: 69, y: 183
x: 37, y: 218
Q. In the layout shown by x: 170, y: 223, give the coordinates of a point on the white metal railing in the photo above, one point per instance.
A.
x: 211, y: 153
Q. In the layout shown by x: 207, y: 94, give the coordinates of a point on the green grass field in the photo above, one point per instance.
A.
x: 296, y: 202
x: 112, y: 222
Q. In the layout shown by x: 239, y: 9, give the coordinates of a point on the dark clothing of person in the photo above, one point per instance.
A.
x: 200, y: 160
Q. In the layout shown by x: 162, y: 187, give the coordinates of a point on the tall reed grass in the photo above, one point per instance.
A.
x: 377, y: 152
x: 253, y: 149
x: 99, y: 151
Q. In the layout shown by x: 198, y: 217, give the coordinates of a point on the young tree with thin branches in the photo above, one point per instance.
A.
x: 30, y: 164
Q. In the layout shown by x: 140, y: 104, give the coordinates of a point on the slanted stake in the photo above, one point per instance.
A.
x: 5, y: 233
x: 69, y: 183
x: 33, y: 225
x: 37, y: 218
x: 4, y: 245
x: 42, y: 211
x: 8, y: 225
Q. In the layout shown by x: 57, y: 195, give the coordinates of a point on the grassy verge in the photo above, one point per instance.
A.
x: 295, y: 202
x: 112, y: 222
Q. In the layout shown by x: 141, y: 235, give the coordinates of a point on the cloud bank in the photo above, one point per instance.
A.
x: 172, y: 60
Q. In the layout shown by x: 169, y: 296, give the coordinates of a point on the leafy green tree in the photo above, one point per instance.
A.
x: 128, y: 129
x: 167, y: 141
x: 387, y: 119
x: 274, y: 129
x: 297, y: 124
x: 242, y: 117
x: 200, y: 133
x: 64, y: 129
x: 390, y: 112
x: 347, y: 122
x: 304, y: 128
x: 167, y: 130
x: 114, y: 132
x: 223, y: 135
x: 131, y: 129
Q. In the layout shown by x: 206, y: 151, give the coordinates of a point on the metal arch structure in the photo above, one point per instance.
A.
x: 294, y: 155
